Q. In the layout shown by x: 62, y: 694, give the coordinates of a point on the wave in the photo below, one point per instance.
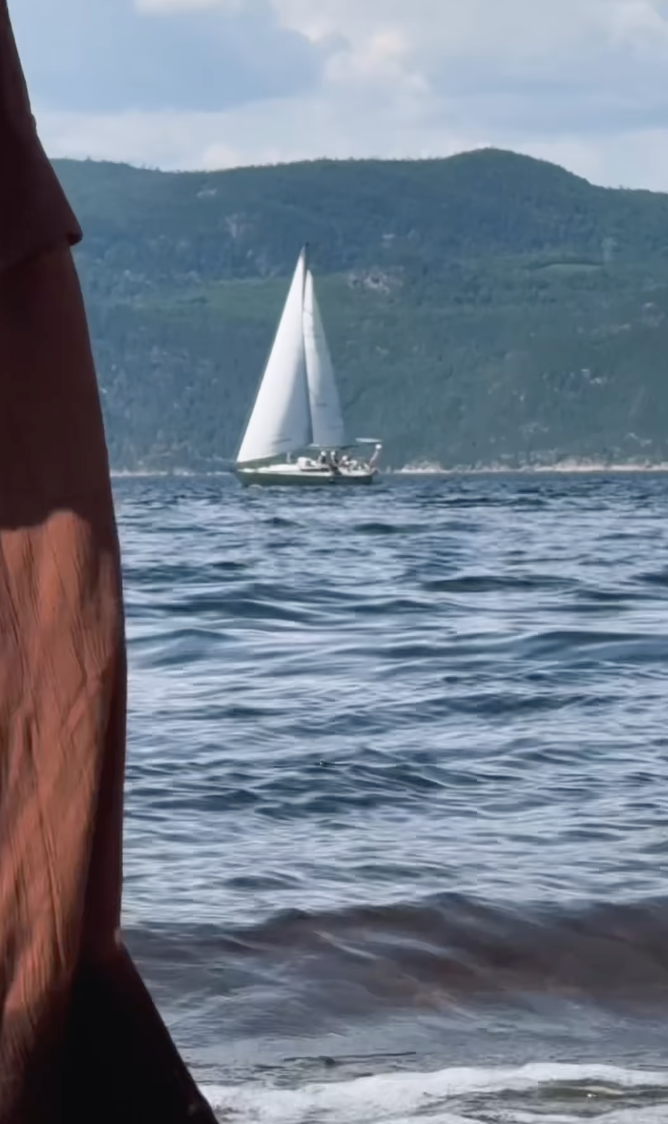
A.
x: 430, y: 956
x: 538, y: 1092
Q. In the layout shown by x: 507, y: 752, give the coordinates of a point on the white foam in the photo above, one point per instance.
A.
x: 401, y: 1097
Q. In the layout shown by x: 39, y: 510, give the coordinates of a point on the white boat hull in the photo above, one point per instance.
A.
x: 291, y: 475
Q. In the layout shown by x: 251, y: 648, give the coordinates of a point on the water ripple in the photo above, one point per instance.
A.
x: 345, y: 704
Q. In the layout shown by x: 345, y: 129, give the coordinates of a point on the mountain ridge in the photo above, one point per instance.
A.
x: 482, y: 309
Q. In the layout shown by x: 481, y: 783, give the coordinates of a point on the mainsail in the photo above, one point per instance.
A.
x: 326, y: 421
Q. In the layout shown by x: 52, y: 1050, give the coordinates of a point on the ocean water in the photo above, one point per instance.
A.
x: 397, y: 794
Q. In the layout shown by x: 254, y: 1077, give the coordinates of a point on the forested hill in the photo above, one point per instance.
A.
x: 483, y: 309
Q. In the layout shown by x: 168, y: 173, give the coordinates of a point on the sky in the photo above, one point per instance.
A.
x: 213, y: 84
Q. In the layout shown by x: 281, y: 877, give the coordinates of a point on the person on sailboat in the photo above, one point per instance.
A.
x: 80, y: 1038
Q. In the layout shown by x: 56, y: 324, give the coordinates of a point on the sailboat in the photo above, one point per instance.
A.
x: 296, y: 433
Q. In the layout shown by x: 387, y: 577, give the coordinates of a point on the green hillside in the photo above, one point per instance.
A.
x: 483, y: 309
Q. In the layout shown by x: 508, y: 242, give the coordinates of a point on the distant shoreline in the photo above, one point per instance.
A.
x: 564, y: 469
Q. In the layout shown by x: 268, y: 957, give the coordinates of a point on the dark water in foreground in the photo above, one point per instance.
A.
x: 397, y: 817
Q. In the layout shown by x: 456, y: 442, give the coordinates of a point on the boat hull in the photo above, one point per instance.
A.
x: 288, y: 475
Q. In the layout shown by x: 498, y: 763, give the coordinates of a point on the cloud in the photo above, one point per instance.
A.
x: 588, y: 65
x: 114, y: 55
x: 205, y: 83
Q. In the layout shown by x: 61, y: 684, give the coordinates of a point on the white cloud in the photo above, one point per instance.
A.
x: 579, y: 81
x: 105, y: 56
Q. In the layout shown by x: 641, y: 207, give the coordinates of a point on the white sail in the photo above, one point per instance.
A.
x: 281, y: 420
x: 327, y: 430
